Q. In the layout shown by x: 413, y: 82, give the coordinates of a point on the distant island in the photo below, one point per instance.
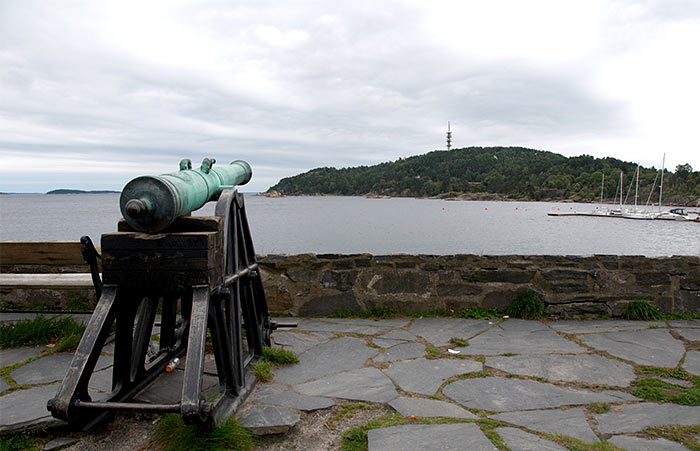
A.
x: 79, y: 191
x: 498, y: 173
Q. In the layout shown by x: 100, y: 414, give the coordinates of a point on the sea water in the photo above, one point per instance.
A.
x: 330, y: 224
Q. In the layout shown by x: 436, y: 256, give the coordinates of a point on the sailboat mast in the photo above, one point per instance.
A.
x: 661, y: 187
x: 636, y: 188
x: 620, y: 190
x: 602, y: 181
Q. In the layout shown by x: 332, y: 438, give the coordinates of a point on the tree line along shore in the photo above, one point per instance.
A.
x: 499, y: 173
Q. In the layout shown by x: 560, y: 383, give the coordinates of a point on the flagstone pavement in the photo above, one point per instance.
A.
x: 531, y: 379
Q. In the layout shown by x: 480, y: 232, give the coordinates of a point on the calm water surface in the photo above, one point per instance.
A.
x: 293, y: 225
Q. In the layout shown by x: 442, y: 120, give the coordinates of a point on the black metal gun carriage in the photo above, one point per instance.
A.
x: 196, y: 274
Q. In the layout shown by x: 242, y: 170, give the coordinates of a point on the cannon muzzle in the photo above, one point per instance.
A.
x: 151, y: 203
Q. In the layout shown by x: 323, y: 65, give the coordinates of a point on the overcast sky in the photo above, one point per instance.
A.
x: 95, y: 93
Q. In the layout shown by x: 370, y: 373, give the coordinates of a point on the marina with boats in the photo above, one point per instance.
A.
x: 634, y: 212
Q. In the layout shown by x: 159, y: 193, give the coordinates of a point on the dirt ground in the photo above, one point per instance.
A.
x: 317, y: 431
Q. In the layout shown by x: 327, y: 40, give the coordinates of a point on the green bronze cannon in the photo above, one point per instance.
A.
x: 151, y: 203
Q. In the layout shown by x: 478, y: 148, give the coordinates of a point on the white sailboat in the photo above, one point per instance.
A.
x: 637, y: 213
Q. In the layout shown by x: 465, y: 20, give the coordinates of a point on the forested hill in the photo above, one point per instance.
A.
x: 495, y: 172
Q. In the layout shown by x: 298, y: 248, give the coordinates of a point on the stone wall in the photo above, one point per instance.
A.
x: 310, y: 284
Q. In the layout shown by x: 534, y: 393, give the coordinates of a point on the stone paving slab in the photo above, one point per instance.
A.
x: 101, y: 380
x: 296, y: 401
x: 429, y: 437
x: 692, y: 362
x: 520, y: 337
x: 429, y: 408
x: 27, y: 408
x: 362, y: 384
x: 684, y: 323
x: 3, y: 386
x: 299, y: 342
x: 167, y: 388
x: 635, y: 417
x: 393, y: 338
x: 354, y: 325
x: 264, y: 420
x: 425, y: 376
x: 571, y: 422
x: 16, y: 355
x: 597, y: 326
x: 403, y: 351
x: 589, y: 368
x: 690, y: 334
x: 655, y: 347
x: 499, y: 394
x: 641, y: 444
x: 51, y: 368
x: 519, y: 440
x: 333, y: 356
x: 438, y: 331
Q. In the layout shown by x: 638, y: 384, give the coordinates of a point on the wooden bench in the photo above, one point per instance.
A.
x: 45, y: 275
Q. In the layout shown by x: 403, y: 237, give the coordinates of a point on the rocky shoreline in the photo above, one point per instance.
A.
x: 686, y: 201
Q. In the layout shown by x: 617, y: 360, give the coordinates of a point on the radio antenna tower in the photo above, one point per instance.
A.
x: 449, y: 136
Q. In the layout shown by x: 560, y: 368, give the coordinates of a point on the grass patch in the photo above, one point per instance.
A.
x: 173, y: 435
x: 487, y: 426
x: 269, y: 359
x: 574, y: 444
x: 459, y: 341
x: 641, y: 311
x: 684, y: 435
x: 474, y: 375
x: 599, y: 407
x: 25, y: 440
x: 685, y: 316
x: 347, y: 410
x: 263, y: 370
x: 41, y: 331
x: 432, y: 352
x: 279, y: 356
x: 527, y: 306
x: 657, y: 390
x: 480, y: 313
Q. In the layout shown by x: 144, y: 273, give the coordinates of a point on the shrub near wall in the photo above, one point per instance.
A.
x: 310, y: 284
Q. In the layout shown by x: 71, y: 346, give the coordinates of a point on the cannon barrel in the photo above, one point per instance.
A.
x: 151, y: 203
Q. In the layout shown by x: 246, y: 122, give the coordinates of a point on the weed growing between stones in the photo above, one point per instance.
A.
x: 661, y: 391
x: 431, y: 352
x: 641, y: 311
x: 480, y: 313
x: 24, y: 440
x: 527, y: 306
x: 263, y: 370
x: 269, y: 358
x: 598, y: 407
x: 658, y: 390
x: 459, y: 341
x: 279, y: 356
x: 487, y: 426
x: 682, y: 316
x: 41, y: 331
x: 347, y: 410
x: 173, y: 435
x: 575, y: 444
x: 685, y: 435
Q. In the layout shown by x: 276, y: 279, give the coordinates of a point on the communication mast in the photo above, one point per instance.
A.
x: 449, y: 136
